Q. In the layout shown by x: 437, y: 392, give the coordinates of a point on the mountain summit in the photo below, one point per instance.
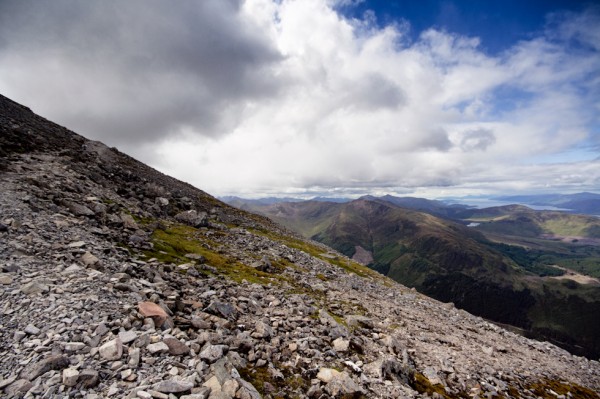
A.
x: 118, y: 281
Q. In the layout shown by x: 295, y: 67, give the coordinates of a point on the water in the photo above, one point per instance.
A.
x: 488, y: 203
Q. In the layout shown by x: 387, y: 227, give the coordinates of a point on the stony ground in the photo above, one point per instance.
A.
x: 117, y: 281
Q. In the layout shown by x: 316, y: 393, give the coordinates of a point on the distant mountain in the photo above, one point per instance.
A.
x: 587, y: 203
x: 434, y: 207
x: 518, y: 220
x: 250, y: 204
x: 455, y: 263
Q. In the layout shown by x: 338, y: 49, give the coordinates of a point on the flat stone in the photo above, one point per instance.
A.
x: 76, y: 244
x: 89, y: 378
x: 221, y: 309
x: 79, y: 210
x: 212, y: 353
x: 193, y: 218
x: 159, y: 347
x: 213, y: 384
x: 127, y: 336
x: 157, y: 395
x: 18, y: 388
x: 200, y: 324
x: 203, y: 393
x: 327, y: 374
x: 150, y: 309
x: 6, y: 382
x: 342, y: 385
x: 5, y: 279
x: 174, y: 386
x: 88, y: 259
x: 69, y: 377
x: 128, y: 222
x: 32, y: 330
x: 53, y: 362
x: 262, y: 330
x: 112, y: 350
x: 176, y: 347
x: 341, y: 345
x: 34, y: 287
x: 230, y: 387
x: 247, y: 391
x: 74, y: 346
x: 73, y: 269
x: 143, y: 395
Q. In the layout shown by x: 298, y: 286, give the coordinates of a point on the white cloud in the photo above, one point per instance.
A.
x: 264, y: 96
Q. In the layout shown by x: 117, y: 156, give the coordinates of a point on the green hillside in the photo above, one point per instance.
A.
x: 502, y: 280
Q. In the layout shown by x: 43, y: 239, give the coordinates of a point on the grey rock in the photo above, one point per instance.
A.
x: 193, y: 218
x: 53, y: 362
x: 176, y: 347
x: 262, y: 330
x: 128, y: 222
x: 18, y: 388
x: 247, y: 390
x: 34, y: 287
x: 221, y: 309
x: 5, y: 279
x: 70, y: 377
x: 127, y: 336
x: 88, y: 259
x: 89, y: 378
x: 112, y: 350
x: 174, y: 386
x: 212, y: 353
x: 158, y: 347
x: 200, y: 393
x: 32, y: 330
x: 78, y: 209
x: 342, y: 384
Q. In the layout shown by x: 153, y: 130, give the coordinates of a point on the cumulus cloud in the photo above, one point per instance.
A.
x: 268, y: 97
x: 137, y: 70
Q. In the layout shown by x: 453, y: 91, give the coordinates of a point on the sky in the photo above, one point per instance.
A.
x: 322, y: 97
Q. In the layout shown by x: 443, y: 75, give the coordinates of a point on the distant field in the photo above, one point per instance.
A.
x: 535, y: 254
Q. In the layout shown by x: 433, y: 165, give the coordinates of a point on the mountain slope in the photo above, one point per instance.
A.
x: 455, y: 263
x: 118, y: 281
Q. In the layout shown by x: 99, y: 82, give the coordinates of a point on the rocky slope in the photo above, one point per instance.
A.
x: 117, y: 281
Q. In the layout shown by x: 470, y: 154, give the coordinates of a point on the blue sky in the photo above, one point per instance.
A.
x: 322, y: 97
x: 499, y: 24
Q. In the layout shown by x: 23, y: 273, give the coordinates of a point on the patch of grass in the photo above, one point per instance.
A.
x: 176, y: 240
x: 421, y: 384
x: 543, y: 389
x: 319, y: 253
x: 290, y: 383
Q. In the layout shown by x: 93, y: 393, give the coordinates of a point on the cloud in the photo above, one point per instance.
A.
x: 139, y: 70
x: 479, y: 139
x: 265, y: 96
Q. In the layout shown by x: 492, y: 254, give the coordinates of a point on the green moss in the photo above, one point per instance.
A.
x: 290, y: 384
x: 321, y: 277
x: 176, y: 240
x: 318, y: 252
x: 421, y: 384
x: 543, y: 388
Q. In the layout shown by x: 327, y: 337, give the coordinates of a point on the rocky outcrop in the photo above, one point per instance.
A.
x: 129, y: 300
